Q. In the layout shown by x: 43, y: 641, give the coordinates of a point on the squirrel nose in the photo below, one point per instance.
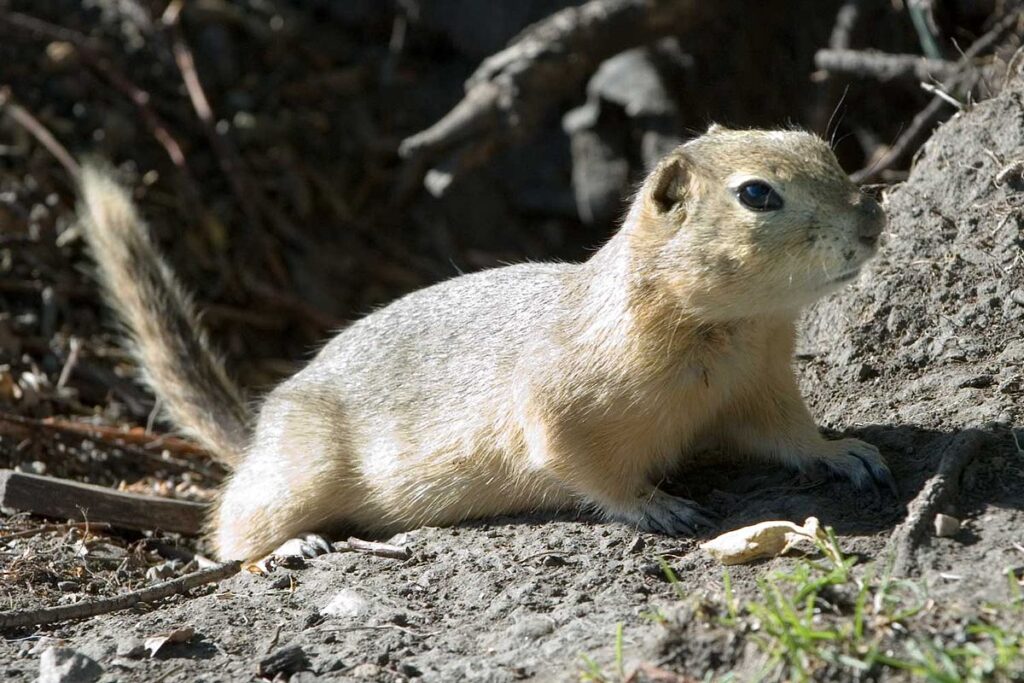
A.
x: 872, y: 220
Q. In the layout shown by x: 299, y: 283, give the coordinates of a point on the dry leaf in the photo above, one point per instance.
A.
x: 767, y: 539
x: 179, y: 635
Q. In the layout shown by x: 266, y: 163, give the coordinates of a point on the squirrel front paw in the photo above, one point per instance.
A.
x: 666, y: 514
x: 859, y: 462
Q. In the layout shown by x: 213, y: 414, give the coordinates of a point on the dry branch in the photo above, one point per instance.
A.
x: 513, y: 89
x: 64, y: 499
x: 109, y: 435
x: 884, y: 67
x: 962, y: 82
x: 909, y: 140
x: 82, y: 610
x: 847, y: 17
x: 938, y: 492
x: 227, y: 156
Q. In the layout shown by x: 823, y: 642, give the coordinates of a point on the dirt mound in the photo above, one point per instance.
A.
x: 928, y: 343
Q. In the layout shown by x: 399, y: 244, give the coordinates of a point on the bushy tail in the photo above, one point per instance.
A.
x: 161, y: 321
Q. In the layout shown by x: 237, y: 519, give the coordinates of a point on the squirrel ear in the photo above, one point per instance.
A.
x: 669, y: 182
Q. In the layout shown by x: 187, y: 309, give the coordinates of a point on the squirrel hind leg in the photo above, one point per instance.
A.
x: 263, y: 511
x: 295, y: 479
x: 253, y: 518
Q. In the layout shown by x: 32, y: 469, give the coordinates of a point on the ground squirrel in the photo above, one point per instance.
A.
x: 531, y: 386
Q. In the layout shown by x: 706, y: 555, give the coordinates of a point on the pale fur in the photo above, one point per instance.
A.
x: 536, y: 385
x: 160, y: 320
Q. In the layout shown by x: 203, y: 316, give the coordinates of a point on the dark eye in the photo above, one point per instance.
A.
x: 758, y: 195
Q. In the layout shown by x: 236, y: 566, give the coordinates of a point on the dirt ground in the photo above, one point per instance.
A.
x: 927, y: 343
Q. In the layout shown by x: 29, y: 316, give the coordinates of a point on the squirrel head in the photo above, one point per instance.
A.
x: 738, y: 223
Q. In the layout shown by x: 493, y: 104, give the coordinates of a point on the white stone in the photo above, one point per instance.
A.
x: 345, y: 603
x: 946, y: 525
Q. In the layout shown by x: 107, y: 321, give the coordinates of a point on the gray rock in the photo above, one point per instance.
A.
x: 64, y: 665
x: 628, y: 122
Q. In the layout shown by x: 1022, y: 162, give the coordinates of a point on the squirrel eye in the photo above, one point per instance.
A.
x: 758, y: 195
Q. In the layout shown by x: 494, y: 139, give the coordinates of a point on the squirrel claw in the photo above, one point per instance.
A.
x: 307, y: 545
x: 674, y: 516
x: 862, y: 464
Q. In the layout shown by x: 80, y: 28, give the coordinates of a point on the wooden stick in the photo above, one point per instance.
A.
x: 82, y: 610
x: 64, y: 499
x: 883, y: 66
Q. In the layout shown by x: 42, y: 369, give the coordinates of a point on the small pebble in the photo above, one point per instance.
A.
x: 163, y: 571
x: 131, y: 648
x: 636, y: 545
x: 409, y: 670
x: 866, y: 372
x: 284, y: 662
x: 946, y: 525
x: 977, y: 382
x: 554, y: 561
x: 365, y: 670
x: 283, y: 582
x: 345, y: 603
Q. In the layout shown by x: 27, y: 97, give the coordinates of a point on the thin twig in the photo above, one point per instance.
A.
x: 87, y: 527
x: 36, y: 129
x: 394, y: 552
x: 846, y: 21
x: 105, y: 434
x: 942, y: 95
x: 910, y: 139
x: 82, y: 610
x: 227, y: 156
x: 885, y: 67
x: 926, y: 119
x: 69, y: 364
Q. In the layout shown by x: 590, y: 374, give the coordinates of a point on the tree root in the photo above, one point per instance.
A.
x: 942, y: 488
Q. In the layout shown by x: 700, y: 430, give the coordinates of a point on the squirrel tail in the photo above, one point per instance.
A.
x: 160, y: 320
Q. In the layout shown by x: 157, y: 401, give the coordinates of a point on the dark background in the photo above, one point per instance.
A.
x: 313, y: 219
